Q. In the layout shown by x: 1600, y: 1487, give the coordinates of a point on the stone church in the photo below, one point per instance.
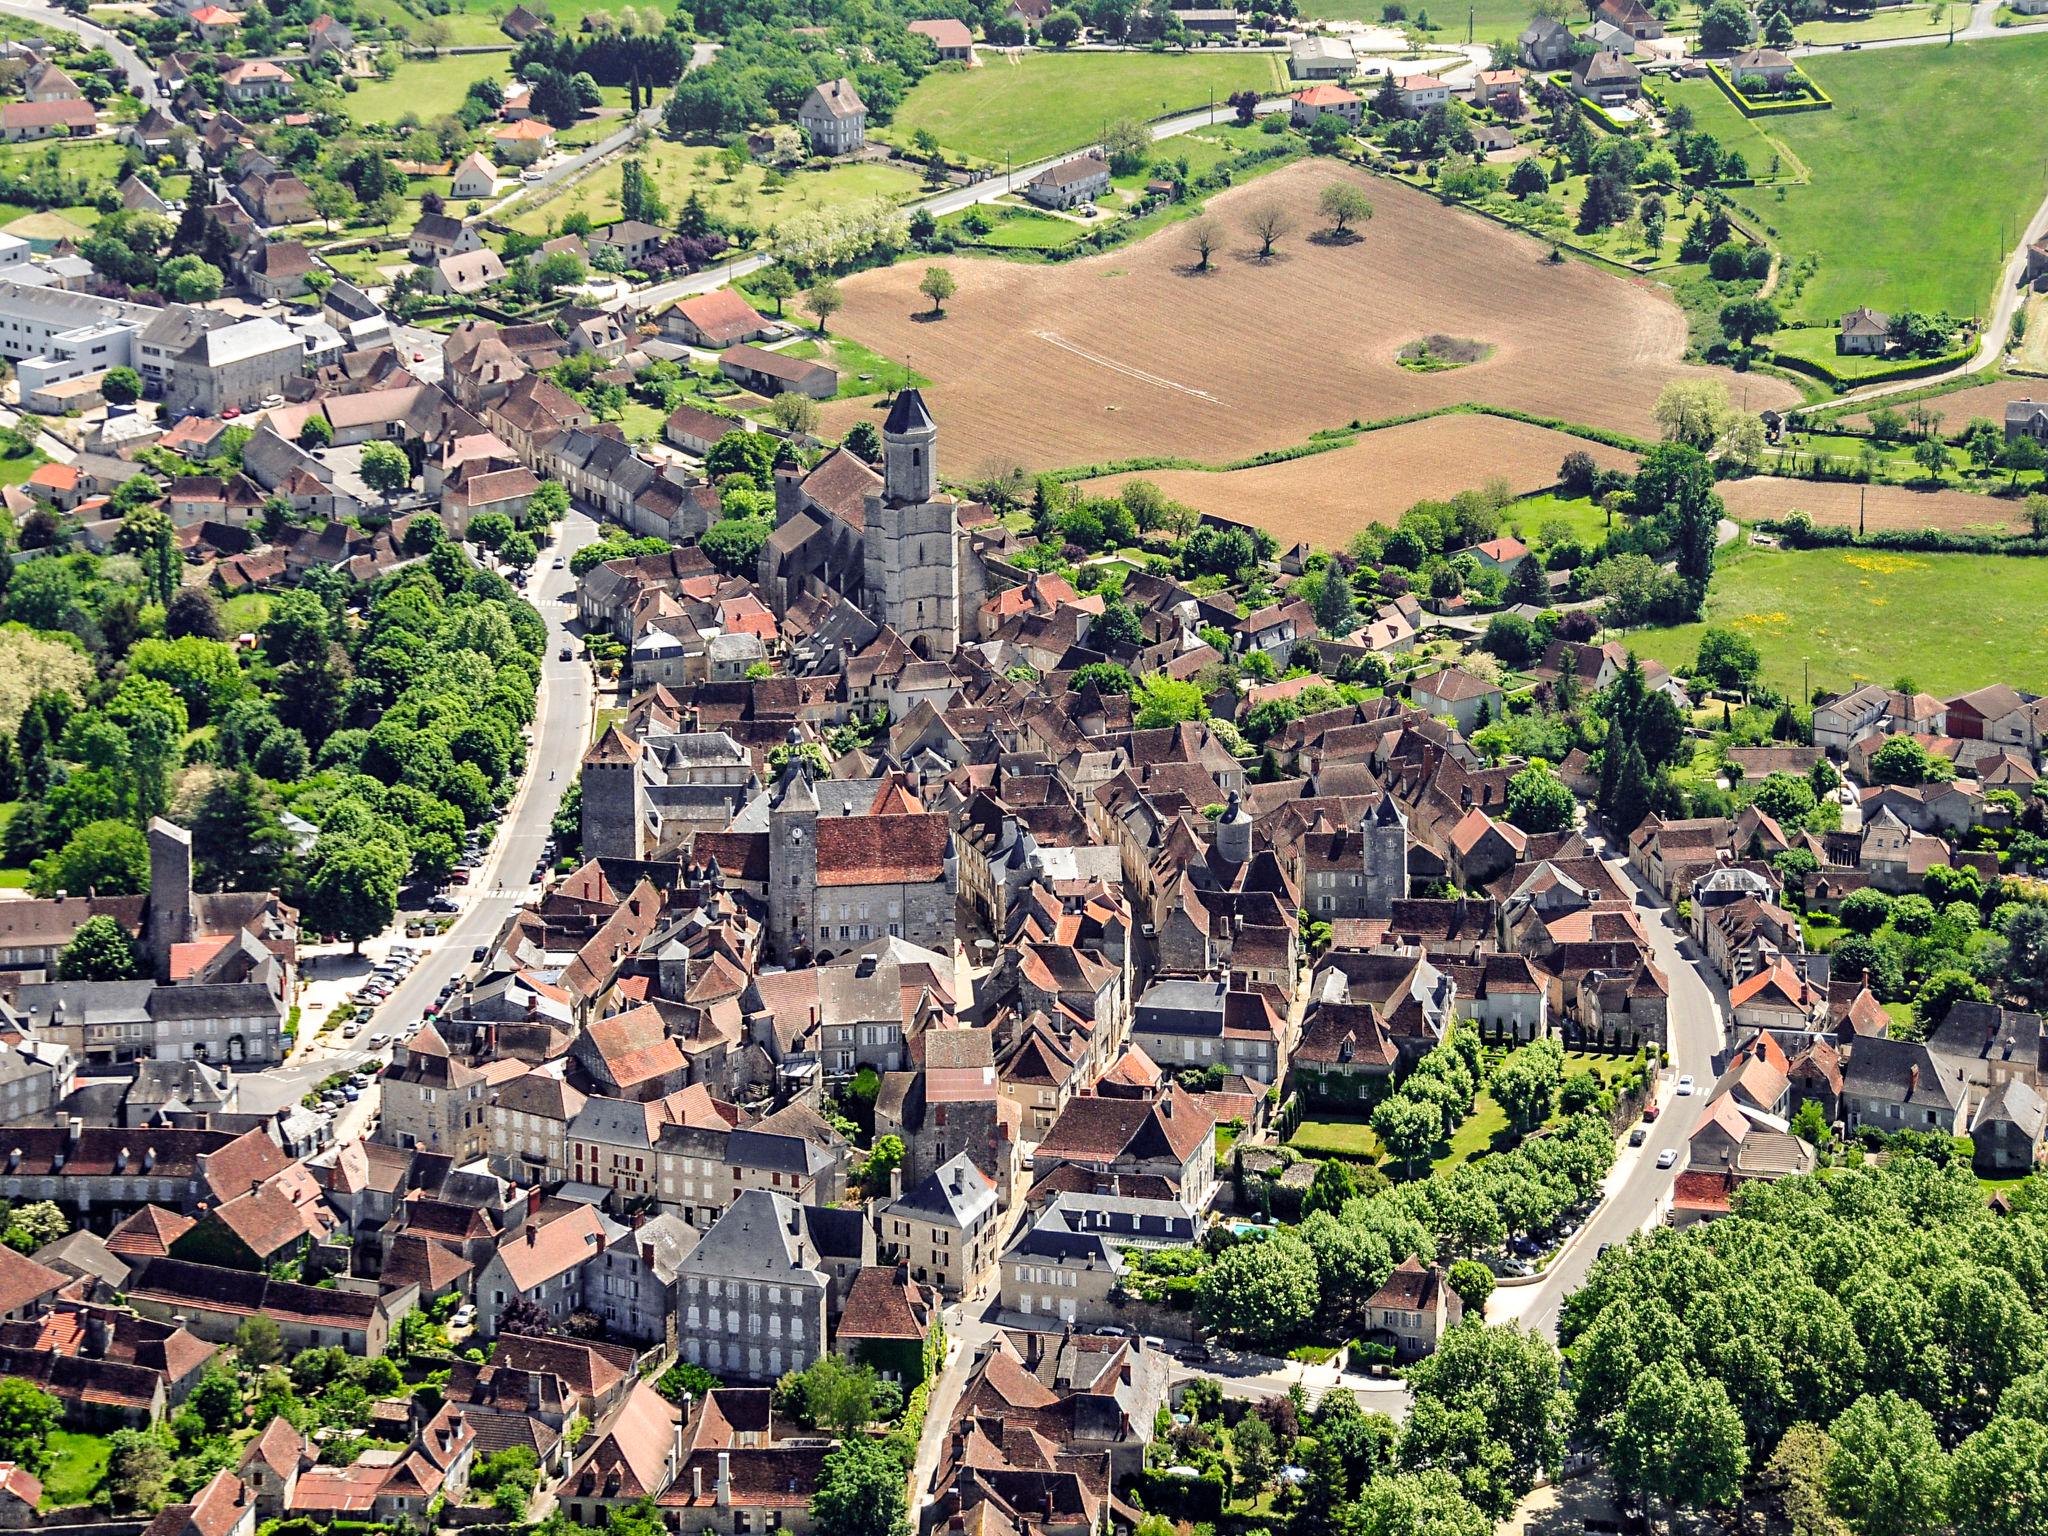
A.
x: 891, y: 543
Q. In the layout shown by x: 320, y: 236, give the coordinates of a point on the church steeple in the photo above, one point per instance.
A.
x: 910, y: 468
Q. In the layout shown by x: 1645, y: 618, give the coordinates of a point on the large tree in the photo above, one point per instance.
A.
x: 100, y: 950
x: 860, y: 1492
x: 1260, y: 1293
x: 1488, y: 1411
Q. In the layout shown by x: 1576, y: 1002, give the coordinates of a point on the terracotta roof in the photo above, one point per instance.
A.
x: 149, y: 1233
x: 24, y: 1282
x: 880, y: 1304
x: 535, y: 1253
x: 47, y: 114
x: 881, y: 850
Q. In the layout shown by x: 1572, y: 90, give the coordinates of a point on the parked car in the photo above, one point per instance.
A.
x: 477, y: 955
x: 444, y: 903
x: 1637, y: 1136
x: 1667, y: 1157
x: 1651, y: 1111
x: 568, y: 653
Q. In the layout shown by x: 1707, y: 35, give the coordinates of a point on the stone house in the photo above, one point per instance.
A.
x: 1413, y: 1310
x: 945, y: 1228
x: 1862, y: 332
x: 1320, y: 100
x: 1070, y: 183
x: 834, y: 117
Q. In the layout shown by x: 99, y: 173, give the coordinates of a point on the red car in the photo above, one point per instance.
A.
x: 1651, y: 1111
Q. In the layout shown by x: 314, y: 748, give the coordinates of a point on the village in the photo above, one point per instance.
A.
x: 722, y: 810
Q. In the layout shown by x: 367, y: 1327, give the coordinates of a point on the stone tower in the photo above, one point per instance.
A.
x: 1385, y: 831
x: 616, y: 812
x: 911, y: 548
x: 171, y: 919
x: 792, y: 860
x: 1234, y: 833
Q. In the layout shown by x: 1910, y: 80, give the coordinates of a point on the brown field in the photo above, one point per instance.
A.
x: 1955, y: 410
x: 1886, y: 506
x: 1132, y: 354
x: 1327, y: 497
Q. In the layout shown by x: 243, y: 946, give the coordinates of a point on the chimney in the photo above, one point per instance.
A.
x: 896, y: 1183
x: 532, y: 1233
x: 724, y: 1478
x: 533, y: 1202
x: 696, y: 1484
x: 1913, y: 1079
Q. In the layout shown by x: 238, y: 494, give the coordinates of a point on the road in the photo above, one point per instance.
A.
x: 1638, y: 1187
x: 141, y: 77
x: 504, y: 882
x: 951, y: 200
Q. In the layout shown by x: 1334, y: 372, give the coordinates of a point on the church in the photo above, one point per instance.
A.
x: 892, y: 544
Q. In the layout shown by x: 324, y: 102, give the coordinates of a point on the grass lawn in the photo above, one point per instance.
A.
x: 426, y: 88
x: 1587, y: 521
x: 1816, y: 344
x: 862, y: 370
x: 97, y: 158
x: 1336, y: 1138
x: 1916, y: 198
x: 44, y: 227
x: 15, y: 471
x: 677, y: 170
x: 642, y: 423
x: 1490, y: 19
x: 244, y: 612
x: 1025, y: 231
x: 11, y: 879
x: 1951, y: 622
x: 78, y: 1465
x: 1048, y: 102
x: 1892, y: 21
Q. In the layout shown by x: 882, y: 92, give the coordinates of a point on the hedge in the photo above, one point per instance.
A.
x: 1835, y: 381
x: 1816, y: 99
x: 1801, y: 532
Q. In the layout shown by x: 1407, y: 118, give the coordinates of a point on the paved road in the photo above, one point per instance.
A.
x: 1638, y: 1188
x: 141, y: 77
x: 951, y: 200
x: 503, y: 884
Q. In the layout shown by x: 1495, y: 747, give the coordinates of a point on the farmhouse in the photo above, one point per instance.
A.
x: 1321, y: 100
x: 436, y: 235
x: 470, y: 272
x: 1500, y: 89
x: 718, y: 319
x: 1607, y: 79
x: 952, y: 39
x: 1864, y: 332
x: 475, y: 177
x: 1461, y: 695
x: 523, y: 142
x: 1545, y: 43
x: 1419, y: 93
x: 216, y: 26
x: 255, y: 80
x: 694, y: 430
x: 1766, y: 64
x: 1322, y: 58
x: 770, y: 373
x: 1605, y: 37
x: 1632, y: 17
x: 1501, y: 554
x: 520, y: 23
x: 835, y: 118
x: 327, y: 37
x: 22, y: 120
x: 2027, y: 418
x: 1070, y: 183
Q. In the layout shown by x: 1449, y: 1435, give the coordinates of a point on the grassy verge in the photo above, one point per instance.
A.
x: 77, y: 1467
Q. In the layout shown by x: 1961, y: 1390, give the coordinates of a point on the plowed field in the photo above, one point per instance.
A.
x: 1132, y: 353
x: 1885, y: 506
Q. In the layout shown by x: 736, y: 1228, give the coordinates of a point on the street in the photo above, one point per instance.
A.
x: 1637, y: 1188
x: 503, y: 883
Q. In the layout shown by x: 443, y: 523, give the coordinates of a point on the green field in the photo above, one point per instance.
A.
x: 1921, y: 137
x: 97, y: 158
x: 1891, y: 21
x: 1048, y: 102
x: 77, y: 1467
x: 1816, y: 344
x: 677, y: 170
x: 1489, y: 19
x: 1587, y: 520
x: 473, y: 23
x: 425, y: 88
x: 1851, y: 616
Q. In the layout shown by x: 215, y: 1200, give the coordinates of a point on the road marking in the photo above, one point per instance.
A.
x: 1125, y: 369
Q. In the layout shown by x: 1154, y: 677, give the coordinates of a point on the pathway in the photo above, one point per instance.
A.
x: 140, y: 75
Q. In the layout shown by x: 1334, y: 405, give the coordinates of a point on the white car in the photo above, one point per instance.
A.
x: 1667, y: 1157
x: 533, y: 173
x: 1685, y: 1086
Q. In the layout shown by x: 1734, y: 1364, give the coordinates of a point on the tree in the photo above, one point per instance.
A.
x: 314, y: 432
x: 1060, y: 28
x: 1344, y: 205
x: 1998, y: 1480
x: 1525, y: 1084
x: 27, y: 1418
x: 100, y: 950
x: 1743, y: 320
x: 190, y: 280
x: 1487, y: 1410
x: 1162, y: 700
x: 2021, y: 456
x: 1539, y: 801
x: 138, y: 1471
x: 1527, y: 180
x: 883, y: 1160
x: 836, y: 1395
x: 1865, y: 911
x: 864, y: 442
x: 32, y: 1226
x: 1679, y: 1438
x: 1260, y: 1293
x: 193, y: 611
x: 794, y: 413
x: 1426, y: 1503
x: 1724, y: 26
x: 1942, y: 991
x: 1727, y: 659
x: 1117, y: 627
x: 385, y: 468
x: 1201, y: 237
x: 258, y: 1343
x: 1473, y: 1282
x: 107, y: 858
x: 121, y: 386
x: 1886, y: 1472
x: 1267, y: 222
x: 1694, y: 412
x: 822, y: 299
x: 734, y: 544
x: 936, y: 285
x: 1128, y: 144
x: 860, y: 1492
x: 1333, y: 1185
x: 1901, y: 760
x: 1408, y: 1128
x: 1336, y: 609
x: 775, y: 283
x: 352, y: 887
